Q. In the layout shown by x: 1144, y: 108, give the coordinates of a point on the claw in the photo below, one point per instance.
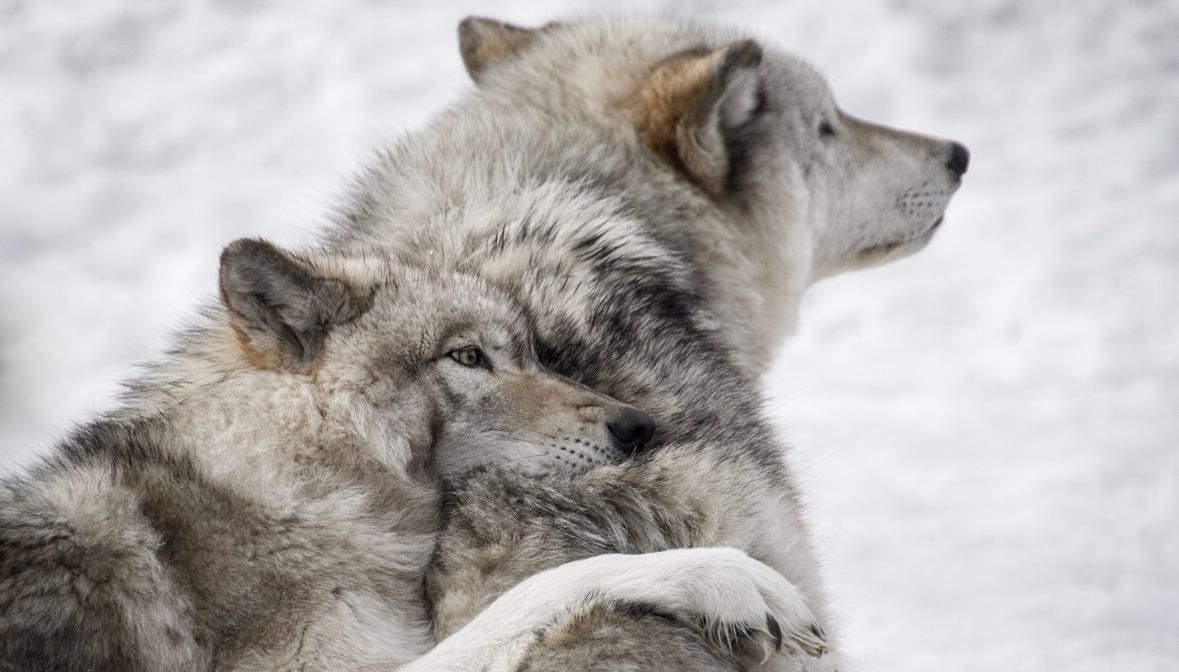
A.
x: 815, y: 644
x: 775, y: 631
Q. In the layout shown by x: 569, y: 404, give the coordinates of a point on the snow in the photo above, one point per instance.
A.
x: 987, y: 433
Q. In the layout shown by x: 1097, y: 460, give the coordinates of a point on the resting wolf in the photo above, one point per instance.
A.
x: 267, y: 498
x: 659, y: 195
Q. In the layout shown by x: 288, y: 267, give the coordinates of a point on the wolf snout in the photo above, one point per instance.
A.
x: 632, y: 429
x: 959, y: 159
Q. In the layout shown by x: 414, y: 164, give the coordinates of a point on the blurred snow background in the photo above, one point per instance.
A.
x: 988, y: 433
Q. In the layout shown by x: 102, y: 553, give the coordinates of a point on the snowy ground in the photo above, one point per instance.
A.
x: 988, y: 433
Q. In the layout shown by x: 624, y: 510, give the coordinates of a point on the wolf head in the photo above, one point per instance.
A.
x: 756, y: 130
x: 428, y: 371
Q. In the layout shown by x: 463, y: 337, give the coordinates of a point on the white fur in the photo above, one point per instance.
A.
x: 719, y: 586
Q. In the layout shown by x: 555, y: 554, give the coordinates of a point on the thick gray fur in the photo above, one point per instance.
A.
x: 267, y: 496
x: 637, y: 206
x: 663, y: 254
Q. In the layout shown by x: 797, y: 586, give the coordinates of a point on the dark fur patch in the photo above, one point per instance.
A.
x: 624, y: 636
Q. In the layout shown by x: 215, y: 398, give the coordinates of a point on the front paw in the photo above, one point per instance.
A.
x: 748, y: 607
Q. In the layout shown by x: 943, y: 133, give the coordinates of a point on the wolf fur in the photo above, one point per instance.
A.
x: 659, y: 195
x: 732, y: 600
x: 268, y: 497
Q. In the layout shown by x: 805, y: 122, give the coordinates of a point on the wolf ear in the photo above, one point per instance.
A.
x: 692, y: 103
x: 485, y: 42
x: 280, y: 307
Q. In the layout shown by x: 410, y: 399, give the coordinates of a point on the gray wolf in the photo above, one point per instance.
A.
x: 659, y: 195
x: 268, y: 496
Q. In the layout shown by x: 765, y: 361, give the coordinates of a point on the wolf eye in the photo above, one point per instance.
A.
x: 826, y: 130
x: 471, y: 357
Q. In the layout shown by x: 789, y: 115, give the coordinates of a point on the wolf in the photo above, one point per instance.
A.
x: 268, y: 496
x: 659, y: 195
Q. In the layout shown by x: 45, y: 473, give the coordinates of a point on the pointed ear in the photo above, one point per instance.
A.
x: 691, y: 104
x: 485, y: 42
x: 280, y: 307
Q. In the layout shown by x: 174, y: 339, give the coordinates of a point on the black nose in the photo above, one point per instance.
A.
x: 632, y: 429
x: 959, y: 159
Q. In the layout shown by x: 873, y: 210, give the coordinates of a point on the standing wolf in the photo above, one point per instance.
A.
x: 659, y: 195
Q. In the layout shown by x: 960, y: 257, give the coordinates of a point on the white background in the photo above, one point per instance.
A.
x: 987, y: 433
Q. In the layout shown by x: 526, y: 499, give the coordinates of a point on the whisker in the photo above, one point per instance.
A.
x: 526, y: 457
x: 515, y: 437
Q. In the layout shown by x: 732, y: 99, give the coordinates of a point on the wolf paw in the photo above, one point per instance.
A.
x: 743, y: 604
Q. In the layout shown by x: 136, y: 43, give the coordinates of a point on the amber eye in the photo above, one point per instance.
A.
x: 470, y: 356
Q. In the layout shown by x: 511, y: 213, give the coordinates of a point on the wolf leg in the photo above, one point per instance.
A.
x: 733, y: 598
